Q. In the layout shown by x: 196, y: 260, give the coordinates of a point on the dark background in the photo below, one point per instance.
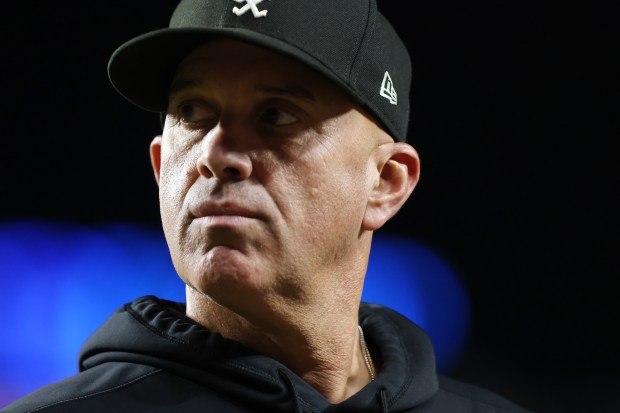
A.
x: 515, y: 116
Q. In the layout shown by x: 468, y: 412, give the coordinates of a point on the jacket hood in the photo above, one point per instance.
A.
x: 156, y: 332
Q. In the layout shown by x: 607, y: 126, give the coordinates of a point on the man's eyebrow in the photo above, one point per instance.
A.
x: 293, y: 90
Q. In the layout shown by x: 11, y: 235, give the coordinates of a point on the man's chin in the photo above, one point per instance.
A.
x: 228, y: 269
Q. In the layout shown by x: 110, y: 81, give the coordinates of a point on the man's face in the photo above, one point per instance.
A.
x: 264, y: 171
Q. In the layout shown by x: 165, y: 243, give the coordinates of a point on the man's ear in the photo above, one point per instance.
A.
x: 398, y: 167
x: 155, y: 152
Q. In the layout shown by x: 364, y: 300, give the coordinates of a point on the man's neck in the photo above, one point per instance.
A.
x: 323, y: 349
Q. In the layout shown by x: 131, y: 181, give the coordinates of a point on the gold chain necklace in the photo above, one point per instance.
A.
x: 367, y: 359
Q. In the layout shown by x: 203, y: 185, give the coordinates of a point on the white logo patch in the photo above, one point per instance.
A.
x: 249, y: 5
x: 387, y: 89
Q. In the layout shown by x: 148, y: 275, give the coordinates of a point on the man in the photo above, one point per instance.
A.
x: 282, y: 152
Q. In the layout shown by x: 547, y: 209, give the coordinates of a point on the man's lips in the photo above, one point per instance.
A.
x: 206, y: 209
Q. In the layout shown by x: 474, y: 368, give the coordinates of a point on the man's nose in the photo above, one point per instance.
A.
x: 223, y: 157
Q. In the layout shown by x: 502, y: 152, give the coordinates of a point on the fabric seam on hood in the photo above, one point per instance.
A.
x: 299, y: 400
x: 252, y: 370
x: 310, y: 406
x: 86, y: 396
x: 409, y: 378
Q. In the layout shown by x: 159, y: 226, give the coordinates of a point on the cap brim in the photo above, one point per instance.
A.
x: 142, y: 69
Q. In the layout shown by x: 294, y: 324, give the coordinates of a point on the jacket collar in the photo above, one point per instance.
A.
x: 156, y: 332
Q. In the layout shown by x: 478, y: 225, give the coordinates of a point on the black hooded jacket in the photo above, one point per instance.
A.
x: 149, y: 357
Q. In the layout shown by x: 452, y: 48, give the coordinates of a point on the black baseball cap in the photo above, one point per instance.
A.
x: 348, y: 41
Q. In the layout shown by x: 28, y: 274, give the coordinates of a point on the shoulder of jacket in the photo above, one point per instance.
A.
x: 90, y: 384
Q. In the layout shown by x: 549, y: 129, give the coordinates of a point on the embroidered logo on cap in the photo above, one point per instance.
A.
x: 249, y: 5
x: 387, y: 89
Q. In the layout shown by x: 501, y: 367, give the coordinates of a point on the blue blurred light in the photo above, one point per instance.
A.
x: 416, y: 281
x: 60, y: 281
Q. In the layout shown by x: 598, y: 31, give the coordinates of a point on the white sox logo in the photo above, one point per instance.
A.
x: 250, y: 4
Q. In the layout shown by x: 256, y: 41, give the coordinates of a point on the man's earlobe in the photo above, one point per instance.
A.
x: 155, y: 152
x: 399, y: 171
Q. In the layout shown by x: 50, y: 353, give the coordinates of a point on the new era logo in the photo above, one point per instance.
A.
x: 387, y: 89
x: 249, y: 5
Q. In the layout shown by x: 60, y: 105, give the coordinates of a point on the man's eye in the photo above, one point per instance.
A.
x: 192, y: 113
x: 278, y: 117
